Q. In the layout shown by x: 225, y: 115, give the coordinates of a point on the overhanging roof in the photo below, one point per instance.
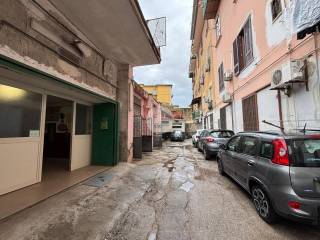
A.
x: 117, y: 28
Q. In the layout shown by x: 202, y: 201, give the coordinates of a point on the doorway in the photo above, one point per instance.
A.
x: 58, y: 135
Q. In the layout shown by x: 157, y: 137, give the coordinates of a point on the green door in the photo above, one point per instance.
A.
x: 105, y: 134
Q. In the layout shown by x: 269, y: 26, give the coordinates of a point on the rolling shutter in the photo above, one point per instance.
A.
x: 250, y: 114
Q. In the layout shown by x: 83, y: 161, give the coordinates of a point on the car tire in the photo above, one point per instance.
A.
x: 263, y: 205
x: 220, y: 167
x: 206, y: 154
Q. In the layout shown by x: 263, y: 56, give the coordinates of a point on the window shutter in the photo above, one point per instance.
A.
x: 236, y: 58
x: 221, y: 80
x: 248, y: 42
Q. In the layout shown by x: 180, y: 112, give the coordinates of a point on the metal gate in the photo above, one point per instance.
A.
x: 137, y: 129
x: 147, y: 133
x: 223, y: 118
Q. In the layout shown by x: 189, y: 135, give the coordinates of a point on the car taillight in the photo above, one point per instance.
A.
x: 294, y: 205
x: 209, y: 139
x: 280, y: 155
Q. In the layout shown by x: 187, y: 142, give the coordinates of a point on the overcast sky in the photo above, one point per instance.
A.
x: 175, y: 56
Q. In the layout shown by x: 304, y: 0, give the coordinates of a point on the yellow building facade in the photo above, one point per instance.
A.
x: 161, y: 92
x: 202, y: 69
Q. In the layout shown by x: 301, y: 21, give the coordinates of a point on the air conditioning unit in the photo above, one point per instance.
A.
x: 227, y: 76
x: 292, y: 71
x: 226, y: 98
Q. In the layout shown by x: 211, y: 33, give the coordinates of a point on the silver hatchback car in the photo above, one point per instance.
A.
x: 281, y: 172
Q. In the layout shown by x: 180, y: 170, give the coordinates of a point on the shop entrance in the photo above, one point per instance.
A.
x: 57, y: 137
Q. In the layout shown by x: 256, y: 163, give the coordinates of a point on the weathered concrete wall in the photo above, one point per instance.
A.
x: 123, y: 99
x: 20, y: 39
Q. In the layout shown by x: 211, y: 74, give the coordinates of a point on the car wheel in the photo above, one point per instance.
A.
x: 206, y: 154
x: 220, y: 167
x: 263, y: 204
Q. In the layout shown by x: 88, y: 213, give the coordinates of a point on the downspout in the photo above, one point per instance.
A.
x: 280, y: 109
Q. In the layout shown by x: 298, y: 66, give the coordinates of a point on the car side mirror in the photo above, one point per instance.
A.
x: 223, y: 147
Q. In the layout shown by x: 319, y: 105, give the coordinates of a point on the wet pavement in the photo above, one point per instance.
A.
x: 173, y: 193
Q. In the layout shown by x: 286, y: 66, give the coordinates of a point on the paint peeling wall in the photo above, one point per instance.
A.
x: 20, y: 40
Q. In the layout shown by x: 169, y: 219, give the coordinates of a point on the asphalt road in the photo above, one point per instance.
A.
x: 173, y: 193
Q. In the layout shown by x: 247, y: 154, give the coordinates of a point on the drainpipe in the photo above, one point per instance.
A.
x: 280, y: 110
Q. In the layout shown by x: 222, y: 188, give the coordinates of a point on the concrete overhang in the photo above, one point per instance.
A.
x: 117, y: 28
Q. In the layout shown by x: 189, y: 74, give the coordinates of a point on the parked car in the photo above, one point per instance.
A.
x: 177, y: 135
x: 280, y: 171
x: 210, y: 141
x: 195, y: 137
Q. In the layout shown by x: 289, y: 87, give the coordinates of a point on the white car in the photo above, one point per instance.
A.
x: 195, y: 137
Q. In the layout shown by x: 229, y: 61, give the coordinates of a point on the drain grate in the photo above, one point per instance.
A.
x: 99, y: 180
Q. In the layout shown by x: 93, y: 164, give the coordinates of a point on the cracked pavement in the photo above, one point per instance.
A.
x: 173, y: 193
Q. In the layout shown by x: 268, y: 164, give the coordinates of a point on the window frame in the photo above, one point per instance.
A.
x: 262, y: 142
x: 255, y: 145
x: 40, y: 128
x: 243, y: 54
x: 275, y: 18
x: 89, y: 130
x: 221, y: 77
x: 239, y: 144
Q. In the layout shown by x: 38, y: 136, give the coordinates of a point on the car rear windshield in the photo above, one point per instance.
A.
x: 222, y: 134
x: 306, y: 153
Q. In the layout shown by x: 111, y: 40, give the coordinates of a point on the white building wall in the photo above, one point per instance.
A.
x: 229, y: 117
x: 302, y: 106
x: 237, y: 116
x: 268, y: 109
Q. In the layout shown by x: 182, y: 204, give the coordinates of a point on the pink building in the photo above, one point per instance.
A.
x: 263, y: 72
x: 145, y: 122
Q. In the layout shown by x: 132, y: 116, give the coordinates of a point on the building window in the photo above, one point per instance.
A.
x: 20, y: 113
x: 276, y: 9
x: 243, y: 49
x: 218, y: 28
x: 250, y: 114
x: 83, y: 120
x: 221, y: 80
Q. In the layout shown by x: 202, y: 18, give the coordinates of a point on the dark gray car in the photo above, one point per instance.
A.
x: 210, y: 141
x: 281, y: 172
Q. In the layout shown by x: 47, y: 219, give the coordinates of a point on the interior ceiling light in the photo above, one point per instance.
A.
x: 10, y: 93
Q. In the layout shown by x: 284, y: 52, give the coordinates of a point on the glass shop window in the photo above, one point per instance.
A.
x: 20, y: 112
x: 83, y: 119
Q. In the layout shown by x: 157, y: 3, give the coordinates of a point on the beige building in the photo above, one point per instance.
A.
x: 201, y: 68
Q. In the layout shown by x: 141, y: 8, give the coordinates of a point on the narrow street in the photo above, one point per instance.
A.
x: 173, y: 193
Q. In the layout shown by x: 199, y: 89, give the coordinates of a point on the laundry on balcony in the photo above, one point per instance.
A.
x: 306, y: 17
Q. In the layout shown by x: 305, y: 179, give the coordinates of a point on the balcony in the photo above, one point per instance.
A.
x: 211, y: 9
x: 196, y: 115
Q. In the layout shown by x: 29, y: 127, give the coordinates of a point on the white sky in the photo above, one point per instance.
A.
x: 174, y: 68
